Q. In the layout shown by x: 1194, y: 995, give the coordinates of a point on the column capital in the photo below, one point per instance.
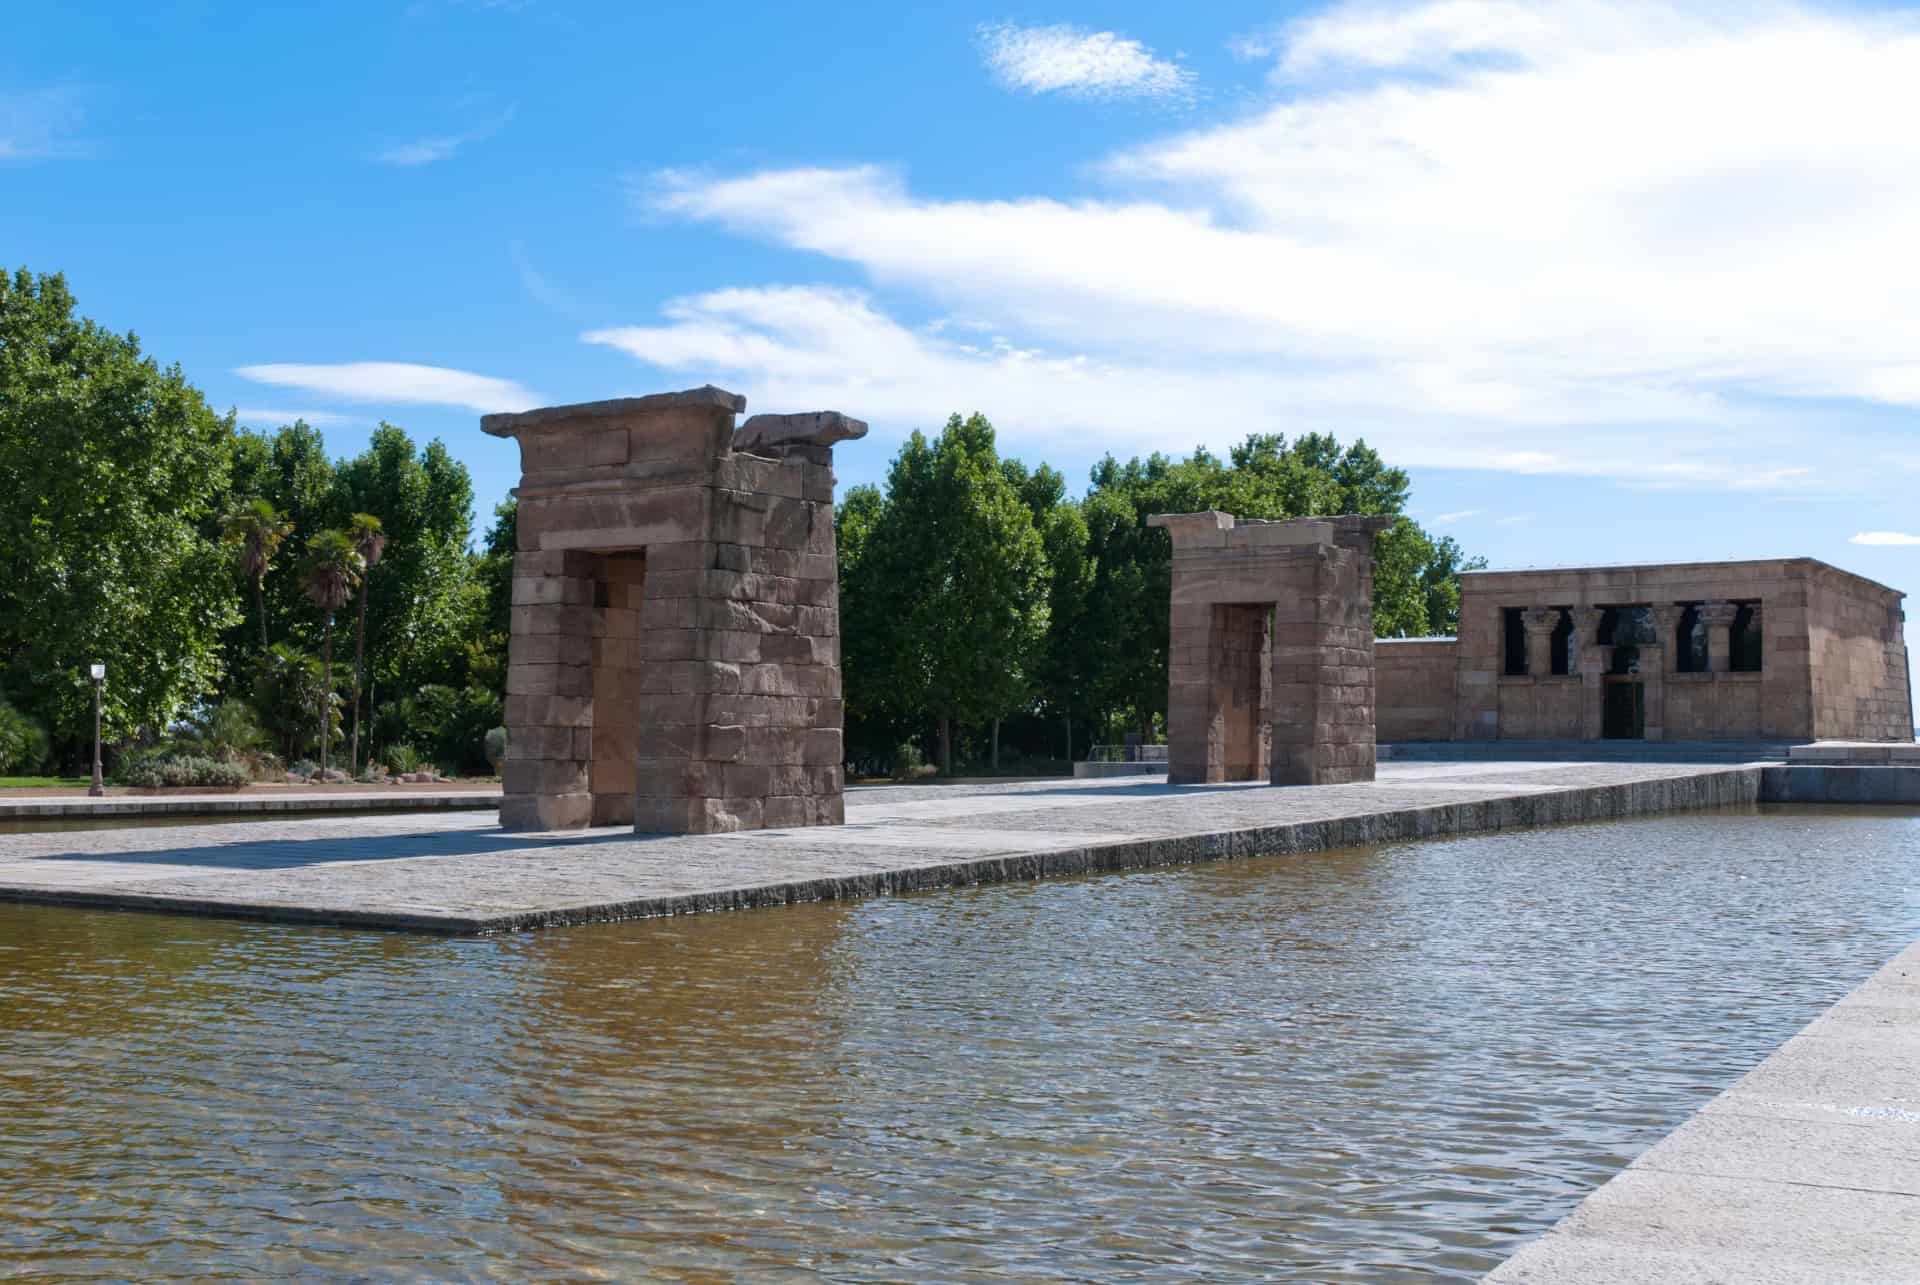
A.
x: 1586, y: 624
x: 1718, y: 615
x: 1540, y: 620
x: 1666, y: 618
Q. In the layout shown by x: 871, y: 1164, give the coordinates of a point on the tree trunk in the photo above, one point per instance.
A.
x: 1068, y: 720
x: 946, y: 746
x: 260, y: 603
x: 359, y: 677
x: 996, y: 747
x: 326, y: 695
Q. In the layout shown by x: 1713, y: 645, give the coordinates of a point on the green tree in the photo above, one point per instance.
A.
x: 333, y: 572
x: 950, y: 575
x: 256, y: 530
x: 113, y: 473
x: 369, y: 541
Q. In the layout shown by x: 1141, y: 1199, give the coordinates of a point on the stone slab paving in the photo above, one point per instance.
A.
x: 248, y: 803
x: 1807, y: 1170
x: 460, y: 873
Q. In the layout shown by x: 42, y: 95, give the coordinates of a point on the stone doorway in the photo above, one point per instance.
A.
x: 1623, y: 711
x: 619, y: 585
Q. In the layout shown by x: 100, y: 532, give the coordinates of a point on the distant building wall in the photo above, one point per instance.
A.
x: 1860, y: 674
x: 1789, y: 649
x: 1414, y: 688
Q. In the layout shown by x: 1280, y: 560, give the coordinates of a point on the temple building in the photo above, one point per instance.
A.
x: 1785, y: 649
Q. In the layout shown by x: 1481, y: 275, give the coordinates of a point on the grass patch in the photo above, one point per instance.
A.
x: 42, y: 782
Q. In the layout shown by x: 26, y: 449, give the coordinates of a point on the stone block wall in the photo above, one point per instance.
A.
x: 1861, y: 679
x: 675, y: 653
x: 1413, y: 685
x: 1832, y: 655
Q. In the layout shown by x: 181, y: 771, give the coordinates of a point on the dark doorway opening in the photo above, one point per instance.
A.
x: 1623, y: 711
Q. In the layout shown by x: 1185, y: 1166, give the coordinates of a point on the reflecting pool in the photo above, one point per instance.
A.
x: 1377, y: 1064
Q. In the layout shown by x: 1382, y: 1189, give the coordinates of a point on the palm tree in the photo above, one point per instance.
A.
x: 369, y: 541
x: 334, y: 570
x: 257, y: 530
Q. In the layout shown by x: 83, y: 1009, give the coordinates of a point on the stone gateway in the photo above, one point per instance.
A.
x: 1270, y: 659
x: 675, y: 652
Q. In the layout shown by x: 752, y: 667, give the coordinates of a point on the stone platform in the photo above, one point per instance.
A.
x: 461, y: 873
x: 1807, y: 1170
x: 248, y: 804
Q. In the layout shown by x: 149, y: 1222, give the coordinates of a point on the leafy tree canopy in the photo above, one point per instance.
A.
x: 113, y: 472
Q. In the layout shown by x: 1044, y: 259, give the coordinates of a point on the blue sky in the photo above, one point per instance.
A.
x: 1621, y: 282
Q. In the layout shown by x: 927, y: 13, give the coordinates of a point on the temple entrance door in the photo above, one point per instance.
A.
x: 1623, y: 711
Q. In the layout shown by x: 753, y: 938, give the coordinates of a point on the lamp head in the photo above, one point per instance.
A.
x: 97, y: 671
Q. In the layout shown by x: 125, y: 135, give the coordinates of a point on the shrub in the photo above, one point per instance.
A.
x: 448, y: 725
x: 908, y: 764
x: 403, y: 759
x: 304, y: 769
x: 23, y: 742
x: 496, y: 747
x: 153, y: 771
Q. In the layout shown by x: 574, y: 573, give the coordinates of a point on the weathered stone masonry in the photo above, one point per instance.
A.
x: 1788, y: 648
x: 1270, y: 660
x: 675, y: 652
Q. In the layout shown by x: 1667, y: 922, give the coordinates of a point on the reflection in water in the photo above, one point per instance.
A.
x: 1380, y: 1064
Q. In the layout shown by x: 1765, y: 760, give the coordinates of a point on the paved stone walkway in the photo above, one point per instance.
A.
x: 1806, y: 1171
x: 27, y: 805
x: 460, y: 873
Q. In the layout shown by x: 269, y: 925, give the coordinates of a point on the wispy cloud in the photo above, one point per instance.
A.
x: 424, y: 151
x: 1459, y: 515
x: 1078, y: 63
x: 40, y: 123
x: 1514, y: 519
x: 485, y: 123
x: 270, y: 418
x: 1884, y: 537
x: 396, y: 382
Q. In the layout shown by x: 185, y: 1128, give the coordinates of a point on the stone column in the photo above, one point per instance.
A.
x: 1540, y: 624
x: 1718, y: 618
x: 1592, y: 666
x: 1666, y: 628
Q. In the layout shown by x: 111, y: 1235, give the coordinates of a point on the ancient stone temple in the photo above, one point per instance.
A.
x: 1270, y: 662
x: 1777, y: 649
x: 675, y: 656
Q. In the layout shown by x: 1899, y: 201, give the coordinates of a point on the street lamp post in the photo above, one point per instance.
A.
x: 98, y: 673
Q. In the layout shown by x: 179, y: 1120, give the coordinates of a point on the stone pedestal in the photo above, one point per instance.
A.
x: 675, y: 652
x: 1290, y: 601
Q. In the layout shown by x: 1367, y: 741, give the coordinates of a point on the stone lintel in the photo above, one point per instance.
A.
x: 548, y: 417
x: 808, y: 428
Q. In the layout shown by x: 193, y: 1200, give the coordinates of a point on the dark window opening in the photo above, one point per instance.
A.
x: 1690, y: 652
x: 1563, y: 644
x: 1744, y: 646
x: 1625, y: 629
x: 1516, y: 641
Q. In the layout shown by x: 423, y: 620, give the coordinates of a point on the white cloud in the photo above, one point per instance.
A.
x: 397, y: 383
x: 1443, y: 519
x: 38, y: 123
x: 424, y: 151
x: 1884, y: 537
x: 1078, y: 63
x: 270, y: 418
x: 482, y: 121
x: 1560, y: 237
